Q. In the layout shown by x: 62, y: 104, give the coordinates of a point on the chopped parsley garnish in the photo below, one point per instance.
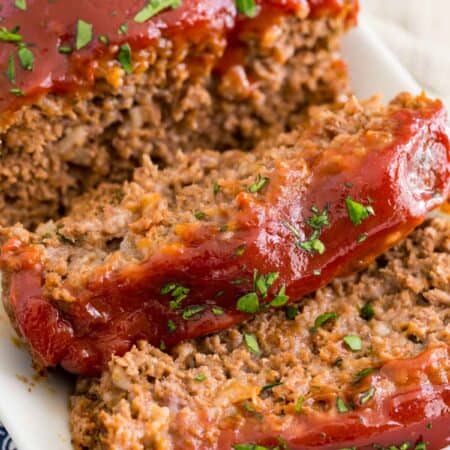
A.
x: 319, y: 219
x: 177, y: 292
x: 192, y: 311
x: 323, y: 319
x: 162, y: 346
x: 26, y: 58
x: 357, y: 211
x: 103, y: 39
x: 65, y: 49
x: 125, y: 58
x: 248, y: 303
x: 281, y: 298
x: 21, y: 4
x: 263, y: 282
x: 200, y: 215
x: 84, y: 34
x: 258, y: 184
x: 155, y: 7
x: 123, y: 28
x: 292, y: 229
x: 313, y: 244
x: 217, y: 311
x: 251, y: 343
x: 200, y: 377
x: 11, y: 70
x: 341, y: 406
x: 353, y: 342
x: 216, y: 188
x: 367, y: 395
x: 270, y: 386
x: 17, y: 92
x: 363, y: 374
x: 248, y: 8
x: 362, y: 238
x: 249, y: 447
x: 367, y: 312
x: 240, y: 250
x: 421, y: 446
x: 10, y: 36
x: 291, y: 312
x: 171, y: 326
x: 299, y: 404
x: 239, y: 281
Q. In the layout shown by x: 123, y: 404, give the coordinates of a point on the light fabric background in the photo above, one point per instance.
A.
x: 418, y: 32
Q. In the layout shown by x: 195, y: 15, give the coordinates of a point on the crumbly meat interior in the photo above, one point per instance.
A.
x: 61, y: 146
x: 116, y: 224
x: 147, y: 397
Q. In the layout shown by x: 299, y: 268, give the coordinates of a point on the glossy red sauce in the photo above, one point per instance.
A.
x: 418, y: 411
x: 401, y: 180
x: 47, y: 25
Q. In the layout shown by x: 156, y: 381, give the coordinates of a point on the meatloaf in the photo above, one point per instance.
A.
x: 88, y: 88
x: 363, y: 363
x: 197, y: 247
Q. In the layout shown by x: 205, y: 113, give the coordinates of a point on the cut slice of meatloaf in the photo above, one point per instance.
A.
x: 91, y: 87
x: 197, y: 247
x: 363, y: 363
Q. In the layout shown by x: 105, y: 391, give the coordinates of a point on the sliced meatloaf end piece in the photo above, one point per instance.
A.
x: 200, y: 246
x: 94, y: 86
x: 376, y: 374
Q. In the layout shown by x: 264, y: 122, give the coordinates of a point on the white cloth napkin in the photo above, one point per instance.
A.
x: 418, y: 32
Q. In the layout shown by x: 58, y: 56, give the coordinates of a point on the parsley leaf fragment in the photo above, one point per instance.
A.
x: 153, y: 8
x: 358, y: 212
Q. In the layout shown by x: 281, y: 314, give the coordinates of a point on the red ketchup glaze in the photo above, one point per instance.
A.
x: 45, y: 26
x: 117, y: 308
x: 417, y: 411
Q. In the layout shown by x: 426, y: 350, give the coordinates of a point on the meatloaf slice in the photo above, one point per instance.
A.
x: 363, y: 363
x: 94, y: 86
x: 195, y: 248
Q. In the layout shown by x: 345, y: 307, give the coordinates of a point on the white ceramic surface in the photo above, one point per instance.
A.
x: 36, y: 414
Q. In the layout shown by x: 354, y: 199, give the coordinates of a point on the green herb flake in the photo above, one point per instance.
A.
x: 200, y: 377
x: 367, y: 312
x: 341, y: 406
x: 249, y: 447
x: 155, y: 7
x: 216, y: 188
x: 353, y: 342
x: 177, y: 292
x: 239, y: 281
x: 65, y: 49
x: 17, y: 92
x: 125, y: 59
x: 292, y: 229
x: 248, y: 8
x: 217, y: 311
x: 281, y: 298
x: 291, y: 312
x: 251, y: 343
x: 429, y: 426
x: 21, y: 4
x: 26, y: 58
x: 319, y: 219
x: 367, y: 395
x: 240, y: 250
x: 358, y: 212
x: 258, y: 184
x: 11, y: 69
x: 248, y: 303
x: 357, y: 378
x: 404, y: 446
x: 323, y: 319
x: 421, y: 446
x: 264, y: 282
x: 162, y: 346
x: 84, y: 34
x: 10, y: 36
x: 199, y: 215
x: 313, y: 244
x: 123, y: 29
x: 362, y: 238
x: 169, y: 287
x: 171, y: 326
x: 192, y: 311
x: 103, y: 39
x: 270, y: 386
x: 299, y: 404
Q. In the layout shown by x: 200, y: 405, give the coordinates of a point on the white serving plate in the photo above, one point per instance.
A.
x: 36, y: 414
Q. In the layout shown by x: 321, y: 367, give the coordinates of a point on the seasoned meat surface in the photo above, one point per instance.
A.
x: 194, y: 249
x: 376, y: 373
